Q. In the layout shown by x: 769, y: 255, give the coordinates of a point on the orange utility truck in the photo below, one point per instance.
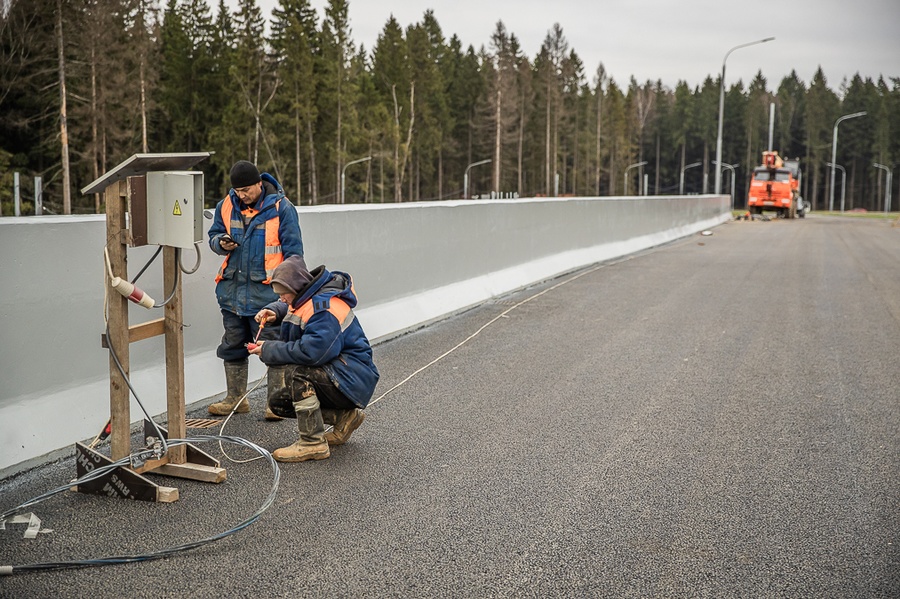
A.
x: 776, y: 186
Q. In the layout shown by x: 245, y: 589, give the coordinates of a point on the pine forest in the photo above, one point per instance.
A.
x: 84, y: 84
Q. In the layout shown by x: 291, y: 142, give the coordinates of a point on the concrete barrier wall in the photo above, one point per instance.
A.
x: 411, y: 264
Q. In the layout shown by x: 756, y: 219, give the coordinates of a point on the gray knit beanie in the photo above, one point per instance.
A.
x: 291, y: 276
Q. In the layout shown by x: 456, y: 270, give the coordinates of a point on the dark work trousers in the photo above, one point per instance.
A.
x: 239, y: 331
x: 300, y: 379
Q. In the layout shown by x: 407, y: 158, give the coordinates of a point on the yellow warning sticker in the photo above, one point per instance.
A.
x: 177, y: 210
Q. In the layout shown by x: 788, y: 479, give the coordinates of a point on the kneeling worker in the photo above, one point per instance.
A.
x: 329, y: 371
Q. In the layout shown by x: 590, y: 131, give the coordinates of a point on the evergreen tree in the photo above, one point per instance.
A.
x: 665, y: 171
x: 337, y: 92
x: 549, y: 67
x: 620, y: 151
x: 391, y: 74
x: 857, y: 140
x: 683, y: 116
x: 427, y: 52
x: 789, y: 108
x: 296, y: 44
x: 705, y: 123
x: 502, y: 107
x: 822, y: 106
x: 464, y: 87
x: 599, y: 84
x: 640, y: 100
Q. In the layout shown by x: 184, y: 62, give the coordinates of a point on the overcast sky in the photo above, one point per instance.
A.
x: 669, y: 40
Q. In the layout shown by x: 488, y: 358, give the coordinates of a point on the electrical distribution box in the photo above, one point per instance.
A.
x: 175, y: 208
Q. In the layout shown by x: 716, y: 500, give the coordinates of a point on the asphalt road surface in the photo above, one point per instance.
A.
x: 717, y: 417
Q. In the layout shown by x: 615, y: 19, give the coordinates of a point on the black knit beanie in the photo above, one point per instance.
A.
x: 244, y: 174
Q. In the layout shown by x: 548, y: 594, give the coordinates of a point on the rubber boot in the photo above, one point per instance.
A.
x: 345, y: 422
x: 236, y: 381
x: 312, y: 444
x: 276, y: 391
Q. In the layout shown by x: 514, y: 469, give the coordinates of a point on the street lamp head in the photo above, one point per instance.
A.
x: 849, y: 116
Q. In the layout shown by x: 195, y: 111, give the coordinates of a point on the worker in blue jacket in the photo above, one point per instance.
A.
x: 255, y: 228
x: 330, y: 374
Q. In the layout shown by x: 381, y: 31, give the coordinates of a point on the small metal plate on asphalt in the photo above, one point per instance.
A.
x: 201, y: 422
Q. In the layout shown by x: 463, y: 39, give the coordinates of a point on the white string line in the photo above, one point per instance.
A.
x: 490, y: 322
x: 233, y: 409
x: 436, y: 360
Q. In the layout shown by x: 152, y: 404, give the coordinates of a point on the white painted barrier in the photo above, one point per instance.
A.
x: 411, y: 264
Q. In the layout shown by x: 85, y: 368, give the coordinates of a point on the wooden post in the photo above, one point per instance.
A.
x: 174, y: 354
x: 119, y: 394
x: 122, y: 195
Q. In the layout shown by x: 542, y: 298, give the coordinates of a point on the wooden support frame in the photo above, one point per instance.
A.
x: 185, y: 460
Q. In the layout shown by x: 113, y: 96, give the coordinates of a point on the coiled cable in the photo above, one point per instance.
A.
x: 153, y: 555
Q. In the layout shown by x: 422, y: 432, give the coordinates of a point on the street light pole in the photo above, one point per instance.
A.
x: 843, y: 181
x: 731, y: 168
x: 466, y: 177
x: 718, y: 184
x: 889, y: 181
x: 834, y: 152
x: 344, y: 170
x: 681, y: 180
x: 631, y: 166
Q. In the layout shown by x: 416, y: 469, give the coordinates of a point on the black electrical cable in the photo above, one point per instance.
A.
x: 147, y: 265
x: 127, y: 379
x: 162, y: 553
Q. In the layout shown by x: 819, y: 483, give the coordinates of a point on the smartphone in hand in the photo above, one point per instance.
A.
x: 227, y: 237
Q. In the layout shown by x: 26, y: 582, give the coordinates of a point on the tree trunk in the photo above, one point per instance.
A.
x: 409, y: 132
x: 338, y: 158
x: 396, y: 144
x: 498, y: 129
x: 656, y: 183
x: 297, y: 157
x: 520, y: 184
x: 368, y: 192
x: 575, y: 163
x: 705, y: 167
x: 547, y: 165
x: 63, y: 124
x: 145, y: 145
x: 256, y: 114
x: 599, y: 124
x: 612, y: 170
x: 313, y: 178
x: 95, y: 150
x: 555, y: 150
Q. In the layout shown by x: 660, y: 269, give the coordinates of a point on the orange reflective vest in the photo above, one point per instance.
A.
x: 232, y: 220
x: 336, y: 306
